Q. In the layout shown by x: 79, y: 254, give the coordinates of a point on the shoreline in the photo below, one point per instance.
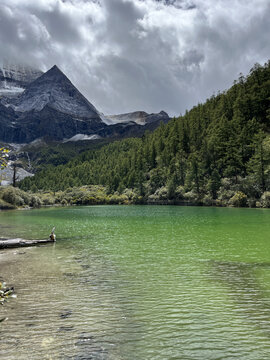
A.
x: 158, y: 203
x: 13, y: 198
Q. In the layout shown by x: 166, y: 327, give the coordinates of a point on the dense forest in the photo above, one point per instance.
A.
x: 217, y: 153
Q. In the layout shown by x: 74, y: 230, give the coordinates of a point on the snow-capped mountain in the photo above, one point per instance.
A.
x: 52, y: 107
x: 55, y: 90
x: 14, y: 78
x: 138, y: 117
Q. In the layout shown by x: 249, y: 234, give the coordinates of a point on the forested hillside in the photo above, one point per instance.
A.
x: 218, y: 152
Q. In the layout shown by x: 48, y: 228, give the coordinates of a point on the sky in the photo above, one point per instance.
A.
x: 128, y: 55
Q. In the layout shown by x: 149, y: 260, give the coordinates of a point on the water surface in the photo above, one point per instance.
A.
x: 138, y: 282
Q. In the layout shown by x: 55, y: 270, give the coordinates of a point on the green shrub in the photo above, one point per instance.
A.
x: 219, y: 202
x: 191, y: 196
x: 89, y: 200
x: 252, y: 203
x: 35, y: 201
x: 12, y: 196
x: 6, y: 206
x: 48, y: 200
x: 115, y: 199
x: 239, y: 199
x: 179, y: 192
x: 265, y: 199
x: 225, y: 195
x: 207, y: 200
x: 162, y: 193
x: 130, y: 194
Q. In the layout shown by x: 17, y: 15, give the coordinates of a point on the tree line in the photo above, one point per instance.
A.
x: 215, y: 152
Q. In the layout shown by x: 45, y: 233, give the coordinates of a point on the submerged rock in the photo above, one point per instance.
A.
x: 66, y: 328
x: 84, y: 339
x: 66, y: 314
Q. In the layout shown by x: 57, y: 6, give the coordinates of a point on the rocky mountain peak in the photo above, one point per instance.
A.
x: 138, y: 117
x: 55, y: 90
x: 54, y: 74
x: 55, y: 68
x: 51, y: 106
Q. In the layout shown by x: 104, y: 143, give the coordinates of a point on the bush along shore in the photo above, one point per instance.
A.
x: 218, y: 153
x: 228, y: 195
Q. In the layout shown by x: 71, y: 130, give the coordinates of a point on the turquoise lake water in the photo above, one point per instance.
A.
x: 138, y: 282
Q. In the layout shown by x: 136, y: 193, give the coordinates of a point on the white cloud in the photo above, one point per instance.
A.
x: 139, y: 54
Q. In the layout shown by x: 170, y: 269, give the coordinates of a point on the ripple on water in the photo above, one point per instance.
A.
x: 139, y: 283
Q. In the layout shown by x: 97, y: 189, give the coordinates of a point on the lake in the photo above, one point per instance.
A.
x: 138, y: 282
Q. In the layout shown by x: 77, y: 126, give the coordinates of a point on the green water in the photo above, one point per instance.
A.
x: 138, y: 282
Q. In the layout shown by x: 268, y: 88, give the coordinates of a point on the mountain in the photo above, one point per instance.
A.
x: 14, y: 78
x: 52, y: 107
x: 138, y: 117
x: 218, y: 153
x: 130, y: 125
x: 55, y: 90
x: 49, y: 106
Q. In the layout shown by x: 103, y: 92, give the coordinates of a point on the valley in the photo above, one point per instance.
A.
x: 134, y: 180
x: 217, y: 154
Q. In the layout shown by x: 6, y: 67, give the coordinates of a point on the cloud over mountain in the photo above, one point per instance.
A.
x: 127, y: 55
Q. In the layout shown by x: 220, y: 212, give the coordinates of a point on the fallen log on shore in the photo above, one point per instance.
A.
x: 14, y: 243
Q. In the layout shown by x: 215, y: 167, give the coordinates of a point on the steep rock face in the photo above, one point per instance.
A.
x: 51, y: 106
x: 55, y: 90
x: 7, y: 123
x: 153, y: 118
x: 14, y: 78
x: 54, y: 124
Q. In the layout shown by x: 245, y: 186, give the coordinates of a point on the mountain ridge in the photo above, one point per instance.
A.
x: 51, y: 106
x: 53, y: 88
x: 138, y: 117
x: 218, y: 153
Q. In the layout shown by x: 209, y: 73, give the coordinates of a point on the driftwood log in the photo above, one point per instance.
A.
x: 14, y: 243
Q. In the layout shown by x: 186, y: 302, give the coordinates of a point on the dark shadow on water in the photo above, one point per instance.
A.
x: 253, y: 302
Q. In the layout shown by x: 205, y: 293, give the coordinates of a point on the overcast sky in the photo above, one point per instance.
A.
x: 151, y: 55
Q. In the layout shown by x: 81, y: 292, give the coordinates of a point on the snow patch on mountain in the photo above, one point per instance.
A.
x: 55, y: 90
x: 19, y: 73
x: 80, y: 137
x: 14, y: 78
x: 9, y: 90
x: 138, y: 117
